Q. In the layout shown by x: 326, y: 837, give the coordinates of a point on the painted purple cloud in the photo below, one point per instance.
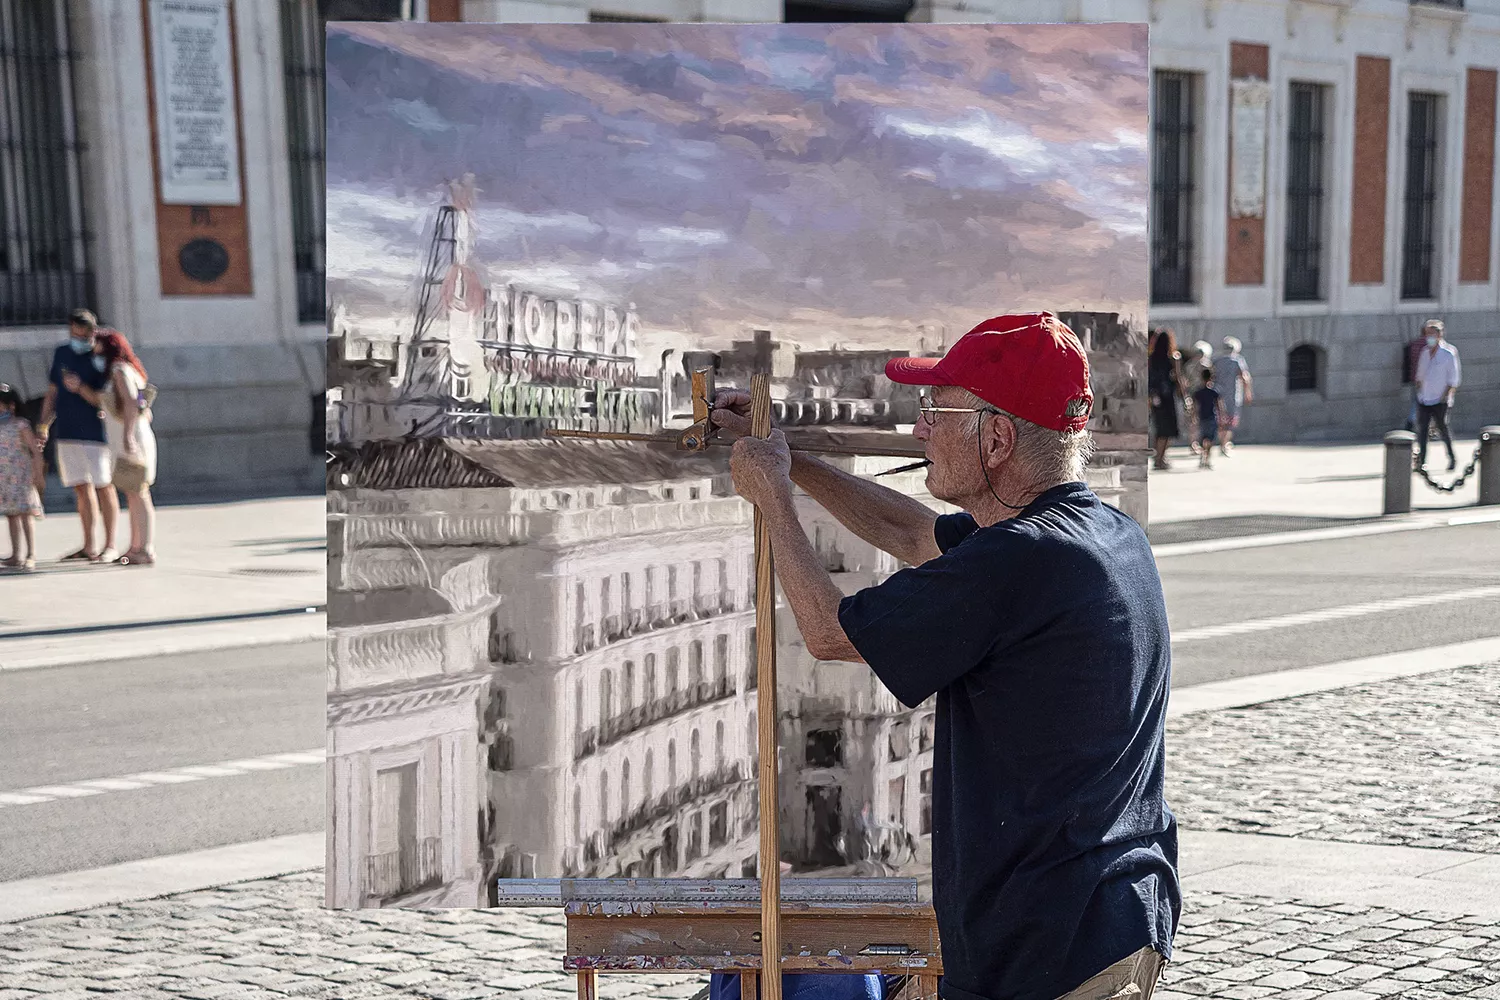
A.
x: 830, y: 182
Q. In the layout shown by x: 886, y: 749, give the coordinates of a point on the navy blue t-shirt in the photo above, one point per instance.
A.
x: 1044, y: 637
x: 77, y: 419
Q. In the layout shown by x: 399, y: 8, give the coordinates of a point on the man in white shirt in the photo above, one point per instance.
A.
x: 1437, y: 382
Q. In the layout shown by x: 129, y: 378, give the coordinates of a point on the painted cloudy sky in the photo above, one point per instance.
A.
x: 834, y: 183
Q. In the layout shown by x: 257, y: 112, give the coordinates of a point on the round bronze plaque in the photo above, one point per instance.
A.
x: 203, y: 260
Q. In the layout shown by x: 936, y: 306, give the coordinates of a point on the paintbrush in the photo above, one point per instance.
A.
x: 904, y: 468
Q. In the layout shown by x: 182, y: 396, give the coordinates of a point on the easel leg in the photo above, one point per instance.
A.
x: 588, y: 984
x: 749, y: 986
x: 927, y: 984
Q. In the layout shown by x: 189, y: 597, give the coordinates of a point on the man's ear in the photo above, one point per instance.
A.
x: 1001, y: 439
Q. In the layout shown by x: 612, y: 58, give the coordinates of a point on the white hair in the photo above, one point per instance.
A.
x: 1053, y: 457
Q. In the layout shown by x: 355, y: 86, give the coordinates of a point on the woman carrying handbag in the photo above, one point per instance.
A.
x: 126, y: 405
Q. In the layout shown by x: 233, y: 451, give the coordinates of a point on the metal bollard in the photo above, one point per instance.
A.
x: 1489, y: 465
x: 1398, y: 459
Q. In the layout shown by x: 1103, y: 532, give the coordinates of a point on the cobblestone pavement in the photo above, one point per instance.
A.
x: 1413, y: 762
x: 1245, y: 948
x: 271, y: 939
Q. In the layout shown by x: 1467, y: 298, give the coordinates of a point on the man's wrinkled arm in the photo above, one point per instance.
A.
x: 809, y: 588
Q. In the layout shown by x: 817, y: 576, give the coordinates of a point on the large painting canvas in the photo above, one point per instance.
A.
x: 542, y: 649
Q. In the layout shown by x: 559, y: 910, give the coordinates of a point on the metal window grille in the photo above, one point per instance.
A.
x: 825, y: 11
x: 1454, y: 4
x: 303, y: 24
x: 1302, y: 369
x: 302, y: 60
x: 1304, y: 193
x: 44, y: 266
x: 602, y: 17
x: 1173, y: 119
x: 1418, y: 243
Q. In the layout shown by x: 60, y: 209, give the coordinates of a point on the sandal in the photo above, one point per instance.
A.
x: 136, y: 559
x: 13, y: 562
x: 107, y: 556
x: 82, y: 555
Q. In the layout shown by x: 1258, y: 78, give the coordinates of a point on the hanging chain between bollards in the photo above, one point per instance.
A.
x: 1457, y: 483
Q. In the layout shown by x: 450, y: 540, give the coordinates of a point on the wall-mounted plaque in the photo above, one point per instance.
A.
x: 1250, y: 105
x: 204, y: 260
x: 196, y: 132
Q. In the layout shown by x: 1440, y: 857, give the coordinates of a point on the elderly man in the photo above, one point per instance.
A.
x: 1036, y: 616
x: 83, y: 459
x: 1436, y: 379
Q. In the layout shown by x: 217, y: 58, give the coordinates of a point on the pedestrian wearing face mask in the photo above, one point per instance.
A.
x: 83, y: 459
x: 1437, y: 379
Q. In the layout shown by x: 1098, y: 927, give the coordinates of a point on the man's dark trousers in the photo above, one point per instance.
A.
x: 1425, y: 416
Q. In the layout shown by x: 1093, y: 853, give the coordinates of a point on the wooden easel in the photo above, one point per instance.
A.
x: 839, y: 925
x: 693, y: 926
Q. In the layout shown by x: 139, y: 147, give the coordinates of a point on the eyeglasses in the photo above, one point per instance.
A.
x: 924, y: 404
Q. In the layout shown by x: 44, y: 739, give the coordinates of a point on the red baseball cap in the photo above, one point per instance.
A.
x: 1028, y: 364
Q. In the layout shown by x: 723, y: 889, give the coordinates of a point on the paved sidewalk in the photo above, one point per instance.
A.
x: 214, y: 561
x: 1296, y: 485
x: 1342, y: 913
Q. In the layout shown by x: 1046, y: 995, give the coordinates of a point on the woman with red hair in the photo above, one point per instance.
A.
x: 127, y: 430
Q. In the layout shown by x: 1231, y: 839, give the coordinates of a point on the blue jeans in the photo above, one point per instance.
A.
x: 828, y: 986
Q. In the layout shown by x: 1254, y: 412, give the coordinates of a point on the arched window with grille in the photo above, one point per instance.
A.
x: 719, y: 745
x: 1303, y: 369
x: 650, y: 678
x: 625, y: 789
x: 603, y: 798
x: 648, y: 776
x: 695, y: 753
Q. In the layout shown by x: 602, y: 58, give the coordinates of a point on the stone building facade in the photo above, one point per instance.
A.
x: 208, y: 257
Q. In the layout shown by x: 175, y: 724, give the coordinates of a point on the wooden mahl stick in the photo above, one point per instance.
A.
x: 765, y: 673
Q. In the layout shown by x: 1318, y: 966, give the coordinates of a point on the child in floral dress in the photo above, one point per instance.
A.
x: 21, y: 479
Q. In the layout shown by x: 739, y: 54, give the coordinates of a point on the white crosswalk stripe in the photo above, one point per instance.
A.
x: 146, y: 779
x: 113, y: 784
x: 1334, y: 614
x: 15, y: 799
